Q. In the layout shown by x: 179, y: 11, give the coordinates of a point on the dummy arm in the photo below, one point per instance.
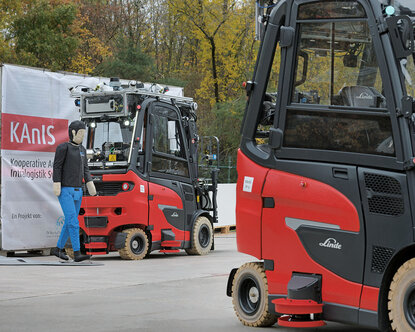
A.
x: 91, y: 188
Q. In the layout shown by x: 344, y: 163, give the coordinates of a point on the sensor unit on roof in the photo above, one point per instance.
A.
x: 101, y: 107
x: 104, y: 104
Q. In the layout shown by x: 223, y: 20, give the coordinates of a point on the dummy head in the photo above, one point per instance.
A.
x: 76, y: 132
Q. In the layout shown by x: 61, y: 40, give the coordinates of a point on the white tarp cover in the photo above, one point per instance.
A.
x: 36, y: 110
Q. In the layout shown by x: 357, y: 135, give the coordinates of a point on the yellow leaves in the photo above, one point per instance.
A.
x: 91, y: 50
x: 81, y: 64
x: 224, y: 30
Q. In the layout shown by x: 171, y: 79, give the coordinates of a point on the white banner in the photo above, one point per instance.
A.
x: 36, y: 110
x: 226, y: 204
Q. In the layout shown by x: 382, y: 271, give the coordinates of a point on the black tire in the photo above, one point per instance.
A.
x: 202, y: 237
x: 136, y: 244
x: 401, y: 298
x: 250, y: 296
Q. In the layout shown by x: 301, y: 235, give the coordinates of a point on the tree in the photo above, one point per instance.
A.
x: 91, y: 51
x: 43, y: 35
x: 128, y: 62
x: 221, y: 28
x: 9, y: 10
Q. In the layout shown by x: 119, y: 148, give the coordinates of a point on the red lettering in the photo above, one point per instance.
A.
x: 31, y: 133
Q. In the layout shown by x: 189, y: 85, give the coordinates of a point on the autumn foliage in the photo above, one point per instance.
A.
x: 207, y: 46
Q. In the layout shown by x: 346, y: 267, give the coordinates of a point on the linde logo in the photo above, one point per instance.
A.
x: 331, y: 243
x: 364, y: 95
x: 31, y: 133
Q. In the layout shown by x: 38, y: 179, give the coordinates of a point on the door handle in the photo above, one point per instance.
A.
x: 174, y: 183
x: 341, y: 173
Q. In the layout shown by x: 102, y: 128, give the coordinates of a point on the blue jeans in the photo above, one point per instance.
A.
x: 70, y: 200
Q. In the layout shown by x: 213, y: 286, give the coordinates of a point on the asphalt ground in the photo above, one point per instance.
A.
x: 166, y: 292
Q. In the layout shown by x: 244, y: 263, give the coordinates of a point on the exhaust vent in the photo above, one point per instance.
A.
x: 380, y: 258
x: 384, y: 194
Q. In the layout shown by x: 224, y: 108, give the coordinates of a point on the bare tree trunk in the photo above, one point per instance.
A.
x: 214, y: 70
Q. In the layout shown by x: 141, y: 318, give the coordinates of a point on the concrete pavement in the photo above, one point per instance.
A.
x: 173, y: 292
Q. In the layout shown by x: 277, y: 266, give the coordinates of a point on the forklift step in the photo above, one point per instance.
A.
x: 289, y: 321
x: 170, y: 250
x: 171, y: 243
x: 96, y: 253
x: 297, y: 307
x: 96, y: 245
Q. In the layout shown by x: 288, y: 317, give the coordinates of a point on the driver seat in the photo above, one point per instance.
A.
x: 361, y: 96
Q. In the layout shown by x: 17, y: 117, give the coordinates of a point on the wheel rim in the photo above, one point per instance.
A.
x: 409, y: 305
x: 249, y: 295
x: 137, y: 244
x: 204, y: 236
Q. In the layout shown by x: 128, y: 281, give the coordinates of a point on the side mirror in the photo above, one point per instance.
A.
x: 401, y: 33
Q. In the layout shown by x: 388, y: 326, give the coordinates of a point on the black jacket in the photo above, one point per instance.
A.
x: 70, y: 165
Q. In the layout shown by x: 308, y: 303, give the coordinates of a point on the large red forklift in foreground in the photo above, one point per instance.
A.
x: 326, y: 168
x: 143, y: 155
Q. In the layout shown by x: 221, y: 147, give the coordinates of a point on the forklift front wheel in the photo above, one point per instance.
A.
x: 401, y: 298
x: 202, y: 237
x: 250, y: 296
x: 136, y: 244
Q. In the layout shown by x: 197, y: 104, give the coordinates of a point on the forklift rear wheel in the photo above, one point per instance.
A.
x: 136, y: 244
x: 401, y: 298
x: 202, y: 237
x: 250, y: 296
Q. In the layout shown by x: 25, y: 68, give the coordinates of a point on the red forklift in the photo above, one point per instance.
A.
x: 326, y: 168
x: 142, y: 150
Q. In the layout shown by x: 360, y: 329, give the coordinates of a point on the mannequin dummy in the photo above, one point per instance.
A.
x: 70, y: 167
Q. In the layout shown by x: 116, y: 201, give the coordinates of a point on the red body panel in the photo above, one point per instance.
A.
x: 134, y: 205
x: 136, y: 210
x: 369, y: 300
x: 295, y: 197
x: 163, y: 196
x: 299, y: 197
x: 297, y: 307
x: 96, y: 245
x: 249, y: 206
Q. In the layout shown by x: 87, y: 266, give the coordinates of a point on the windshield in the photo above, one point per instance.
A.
x: 109, y: 142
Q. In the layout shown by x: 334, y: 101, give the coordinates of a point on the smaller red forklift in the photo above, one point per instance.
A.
x: 143, y: 155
